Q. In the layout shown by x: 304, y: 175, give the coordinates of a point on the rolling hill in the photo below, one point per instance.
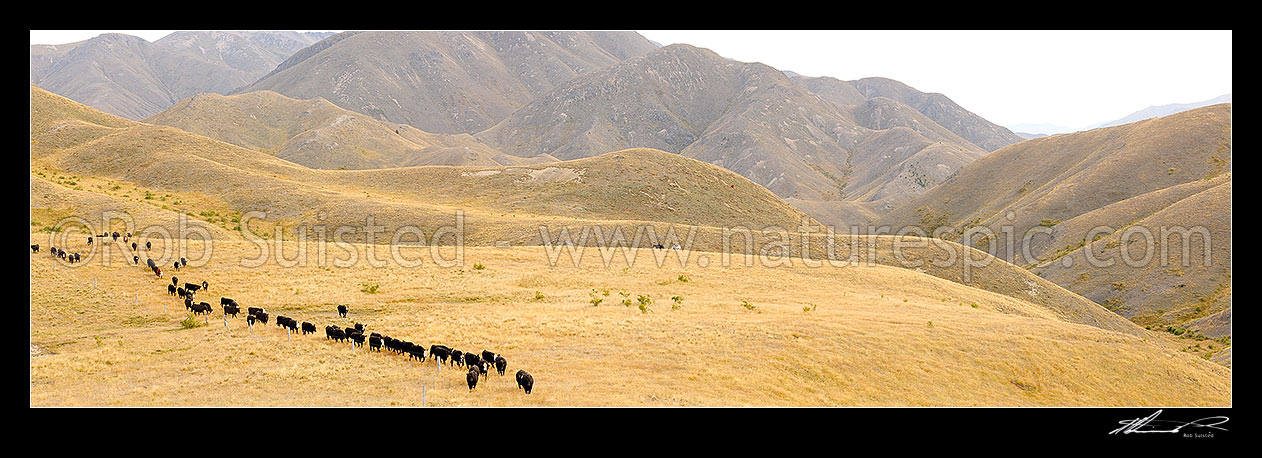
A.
x: 629, y: 191
x: 638, y: 185
x: 320, y: 135
x: 127, y: 76
x: 444, y: 82
x: 1090, y: 191
x: 1048, y: 180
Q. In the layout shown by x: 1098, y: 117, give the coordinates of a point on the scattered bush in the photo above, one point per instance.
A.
x: 747, y: 305
x: 191, y: 322
x: 645, y: 302
x: 369, y: 288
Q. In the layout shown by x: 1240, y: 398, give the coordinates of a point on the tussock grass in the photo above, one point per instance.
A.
x: 868, y: 344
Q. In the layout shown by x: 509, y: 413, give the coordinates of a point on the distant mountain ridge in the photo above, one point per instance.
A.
x: 1163, y: 110
x: 130, y: 77
x: 444, y: 82
x: 805, y: 139
x: 1030, y: 131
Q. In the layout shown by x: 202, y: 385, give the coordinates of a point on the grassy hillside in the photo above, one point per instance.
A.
x: 1191, y: 290
x: 640, y: 185
x: 742, y: 336
x: 1044, y: 181
x: 320, y: 135
x: 628, y: 191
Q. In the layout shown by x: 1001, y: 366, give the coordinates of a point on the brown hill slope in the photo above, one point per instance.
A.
x: 1044, y: 181
x: 748, y: 118
x: 1186, y: 282
x: 320, y: 135
x: 445, y: 82
x: 220, y: 183
x: 942, y: 110
x: 635, y: 185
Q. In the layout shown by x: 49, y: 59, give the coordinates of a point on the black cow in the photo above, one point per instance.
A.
x: 308, y: 328
x: 472, y: 377
x: 291, y: 324
x: 176, y: 265
x: 175, y: 281
x: 336, y: 333
x: 500, y: 364
x: 89, y: 240
x: 359, y: 327
x: 254, y: 310
x: 133, y: 246
x: 358, y: 338
x: 226, y: 301
x: 115, y: 235
x: 148, y: 246
x: 181, y: 292
x: 488, y: 356
x: 188, y: 302
x: 457, y: 357
x: 76, y: 259
x: 192, y: 287
x: 249, y: 320
x: 183, y: 262
x: 157, y: 271
x: 35, y: 248
x: 261, y: 317
x: 231, y: 309
x: 205, y: 286
x: 341, y: 310
x: 472, y: 359
x: 202, y: 308
x: 135, y: 260
x: 374, y: 343
x: 441, y: 352
x: 171, y: 289
x: 525, y: 381
x: 149, y: 262
x: 418, y: 352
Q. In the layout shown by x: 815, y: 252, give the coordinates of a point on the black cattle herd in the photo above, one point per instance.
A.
x: 479, y: 365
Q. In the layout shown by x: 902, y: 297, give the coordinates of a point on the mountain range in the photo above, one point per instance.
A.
x: 1031, y: 131
x: 131, y: 77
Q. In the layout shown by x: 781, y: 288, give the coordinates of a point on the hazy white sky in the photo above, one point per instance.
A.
x: 1069, y: 78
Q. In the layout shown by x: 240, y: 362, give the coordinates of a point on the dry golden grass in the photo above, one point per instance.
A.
x: 877, y: 336
x: 321, y: 135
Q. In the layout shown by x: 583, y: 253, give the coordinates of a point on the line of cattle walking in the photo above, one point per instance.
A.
x: 478, y: 364
x: 135, y: 247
